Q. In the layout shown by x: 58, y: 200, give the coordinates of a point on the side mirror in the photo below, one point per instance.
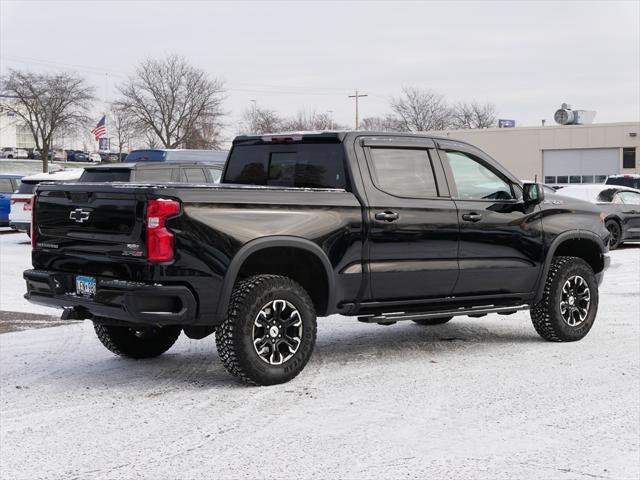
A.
x: 532, y: 193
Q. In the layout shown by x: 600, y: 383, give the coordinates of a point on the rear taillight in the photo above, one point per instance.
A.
x: 160, y: 240
x: 33, y: 222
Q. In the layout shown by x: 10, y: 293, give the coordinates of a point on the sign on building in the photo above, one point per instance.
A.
x: 504, y: 123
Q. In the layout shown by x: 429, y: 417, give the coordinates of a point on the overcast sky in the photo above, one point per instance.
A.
x: 525, y: 57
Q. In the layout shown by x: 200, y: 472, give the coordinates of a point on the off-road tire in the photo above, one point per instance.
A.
x: 234, y: 337
x: 133, y: 343
x: 433, y: 321
x: 546, y: 315
x: 615, y: 230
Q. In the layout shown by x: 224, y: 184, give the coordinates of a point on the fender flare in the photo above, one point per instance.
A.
x: 570, y: 235
x: 269, y: 242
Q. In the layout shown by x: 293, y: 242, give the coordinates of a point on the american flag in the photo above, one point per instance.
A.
x: 101, y: 128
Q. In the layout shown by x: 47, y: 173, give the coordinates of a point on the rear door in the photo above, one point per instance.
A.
x: 501, y: 248
x: 631, y: 211
x: 413, y: 226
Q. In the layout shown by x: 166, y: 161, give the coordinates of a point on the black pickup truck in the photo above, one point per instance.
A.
x: 385, y: 227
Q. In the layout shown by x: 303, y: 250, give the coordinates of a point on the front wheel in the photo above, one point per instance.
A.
x: 569, y: 303
x: 137, y: 342
x: 615, y: 232
x: 269, y: 332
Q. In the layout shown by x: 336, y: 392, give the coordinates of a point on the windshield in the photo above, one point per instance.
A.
x: 624, y: 181
x: 146, y: 156
x: 105, y: 176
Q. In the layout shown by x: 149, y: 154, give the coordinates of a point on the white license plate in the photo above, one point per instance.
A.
x: 86, y: 286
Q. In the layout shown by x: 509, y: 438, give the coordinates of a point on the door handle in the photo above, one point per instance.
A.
x: 472, y: 217
x: 387, y: 216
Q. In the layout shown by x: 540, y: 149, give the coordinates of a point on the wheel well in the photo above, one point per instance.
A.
x: 615, y: 219
x: 588, y: 250
x: 296, y: 263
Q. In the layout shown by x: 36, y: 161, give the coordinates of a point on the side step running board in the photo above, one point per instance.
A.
x: 389, y: 318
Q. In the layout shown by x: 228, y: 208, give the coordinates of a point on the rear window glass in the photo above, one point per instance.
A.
x: 624, y: 182
x: 26, y: 187
x: 305, y: 165
x: 146, y: 156
x: 215, y: 173
x: 5, y: 185
x: 105, y: 176
x: 154, y: 175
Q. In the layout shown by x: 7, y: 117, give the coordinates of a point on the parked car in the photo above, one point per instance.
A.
x: 95, y: 157
x: 382, y: 226
x: 8, y: 184
x: 147, y: 172
x: 77, y: 156
x: 13, y: 153
x: 621, y: 205
x: 177, y: 155
x: 627, y: 180
x: 110, y: 157
x: 21, y: 201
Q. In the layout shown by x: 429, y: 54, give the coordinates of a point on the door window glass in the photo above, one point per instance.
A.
x: 630, y: 198
x: 474, y: 181
x: 153, y: 175
x: 404, y: 172
x: 195, y: 175
x: 5, y: 185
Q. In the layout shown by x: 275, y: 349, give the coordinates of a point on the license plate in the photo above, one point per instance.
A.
x: 86, y: 286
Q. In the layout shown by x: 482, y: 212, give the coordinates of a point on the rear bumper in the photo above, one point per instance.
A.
x: 133, y: 302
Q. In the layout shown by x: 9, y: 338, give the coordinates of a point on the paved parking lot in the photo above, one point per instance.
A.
x: 475, y: 398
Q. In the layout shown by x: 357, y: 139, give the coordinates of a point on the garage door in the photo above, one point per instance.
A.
x: 580, y: 165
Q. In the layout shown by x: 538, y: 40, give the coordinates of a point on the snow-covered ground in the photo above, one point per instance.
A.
x: 476, y: 398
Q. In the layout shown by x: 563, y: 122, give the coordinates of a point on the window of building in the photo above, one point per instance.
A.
x: 562, y: 179
x: 475, y: 181
x: 404, y: 172
x: 629, y: 157
x: 549, y: 179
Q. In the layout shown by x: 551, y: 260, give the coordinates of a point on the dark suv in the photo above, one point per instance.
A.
x: 144, y: 172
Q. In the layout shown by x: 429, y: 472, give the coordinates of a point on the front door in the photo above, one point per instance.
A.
x: 413, y: 226
x: 501, y: 250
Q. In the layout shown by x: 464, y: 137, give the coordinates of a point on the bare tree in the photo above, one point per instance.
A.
x: 473, y: 115
x: 421, y: 110
x: 256, y: 120
x: 123, y: 127
x: 49, y: 104
x: 306, y: 120
x: 171, y: 97
x: 381, y: 124
x: 206, y: 134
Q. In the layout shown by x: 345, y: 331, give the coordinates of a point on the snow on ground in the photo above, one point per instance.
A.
x: 15, y: 258
x: 475, y: 398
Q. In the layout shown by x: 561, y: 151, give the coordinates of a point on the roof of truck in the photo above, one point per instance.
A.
x: 336, y: 136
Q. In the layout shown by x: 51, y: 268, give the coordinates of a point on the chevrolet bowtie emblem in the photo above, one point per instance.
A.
x: 79, y: 215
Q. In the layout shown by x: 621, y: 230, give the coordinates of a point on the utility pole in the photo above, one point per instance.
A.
x: 357, y: 96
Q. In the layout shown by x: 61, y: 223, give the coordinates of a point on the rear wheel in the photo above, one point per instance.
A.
x: 433, y: 321
x: 615, y: 232
x: 270, y: 330
x: 569, y: 303
x: 137, y: 342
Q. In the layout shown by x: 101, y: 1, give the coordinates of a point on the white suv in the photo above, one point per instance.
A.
x: 10, y: 153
